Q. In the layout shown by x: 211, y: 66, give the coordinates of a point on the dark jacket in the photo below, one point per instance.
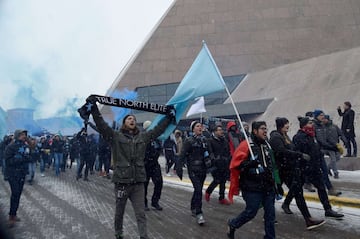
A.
x: 220, y: 153
x: 17, y: 157
x: 152, y: 153
x: 195, y: 152
x: 251, y: 178
x: 347, y: 123
x: 307, y: 144
x: 104, y: 148
x: 322, y: 138
x: 334, y: 133
x: 57, y: 146
x: 286, y: 157
x: 128, y: 149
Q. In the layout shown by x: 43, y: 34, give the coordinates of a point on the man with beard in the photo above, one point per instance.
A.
x: 257, y: 182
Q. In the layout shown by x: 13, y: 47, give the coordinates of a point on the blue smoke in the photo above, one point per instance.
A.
x: 2, y: 123
x: 119, y: 113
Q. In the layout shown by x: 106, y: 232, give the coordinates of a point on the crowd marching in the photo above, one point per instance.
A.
x: 257, y: 164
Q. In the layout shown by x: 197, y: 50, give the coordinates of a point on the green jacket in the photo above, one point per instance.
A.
x: 128, y: 150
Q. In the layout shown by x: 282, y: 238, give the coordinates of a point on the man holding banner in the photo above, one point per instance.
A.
x: 128, y: 149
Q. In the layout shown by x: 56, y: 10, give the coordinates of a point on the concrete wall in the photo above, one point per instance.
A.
x: 244, y: 36
x: 323, y: 82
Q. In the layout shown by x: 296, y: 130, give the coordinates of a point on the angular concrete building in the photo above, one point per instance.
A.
x: 278, y: 57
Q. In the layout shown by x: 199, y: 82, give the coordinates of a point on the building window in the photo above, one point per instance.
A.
x: 161, y: 94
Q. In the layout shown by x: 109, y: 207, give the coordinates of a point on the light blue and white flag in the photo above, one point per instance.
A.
x: 203, y: 78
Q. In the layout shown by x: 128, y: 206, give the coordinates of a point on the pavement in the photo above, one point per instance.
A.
x: 61, y: 207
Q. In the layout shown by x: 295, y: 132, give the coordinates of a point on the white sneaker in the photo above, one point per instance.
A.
x: 42, y: 175
x: 200, y: 219
x: 168, y: 175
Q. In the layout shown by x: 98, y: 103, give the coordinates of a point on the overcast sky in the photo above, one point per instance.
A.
x: 55, y: 51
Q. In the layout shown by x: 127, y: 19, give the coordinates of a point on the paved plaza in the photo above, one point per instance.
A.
x: 61, y: 207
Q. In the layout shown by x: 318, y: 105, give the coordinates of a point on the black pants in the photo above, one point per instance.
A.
x: 153, y: 172
x: 351, y: 141
x: 197, y: 179
x: 16, y: 186
x: 104, y: 160
x: 219, y: 178
x: 295, y: 181
x: 83, y: 161
x: 317, y: 179
x: 170, y: 160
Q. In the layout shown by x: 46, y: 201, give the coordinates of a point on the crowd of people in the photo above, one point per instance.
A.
x: 255, y: 163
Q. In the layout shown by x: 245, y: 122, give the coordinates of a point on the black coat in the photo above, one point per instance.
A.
x: 347, y: 123
x: 284, y: 152
x: 307, y: 144
x: 220, y: 153
x: 17, y: 158
x: 195, y: 152
x: 250, y: 179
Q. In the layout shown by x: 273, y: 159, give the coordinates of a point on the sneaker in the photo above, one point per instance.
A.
x: 331, y: 213
x: 286, y: 208
x: 147, y: 208
x: 207, y: 196
x: 42, y: 175
x: 336, y: 176
x: 200, y: 219
x: 231, y: 230
x: 168, y: 175
x: 86, y: 179
x: 224, y: 202
x: 313, y: 223
x: 156, y: 206
x: 308, y: 186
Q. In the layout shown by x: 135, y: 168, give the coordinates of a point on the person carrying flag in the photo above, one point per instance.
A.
x: 258, y: 181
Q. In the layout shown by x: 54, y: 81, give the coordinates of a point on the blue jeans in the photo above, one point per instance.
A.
x: 253, y: 202
x: 325, y: 175
x: 42, y: 165
x: 58, y: 157
x: 32, y: 167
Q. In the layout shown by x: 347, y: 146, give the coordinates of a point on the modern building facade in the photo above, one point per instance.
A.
x: 274, y: 43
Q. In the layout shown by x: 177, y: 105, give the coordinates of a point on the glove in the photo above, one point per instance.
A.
x: 92, y: 99
x: 340, y: 148
x: 280, y: 190
x: 306, y: 157
x: 208, y: 162
x: 253, y: 163
x: 171, y: 113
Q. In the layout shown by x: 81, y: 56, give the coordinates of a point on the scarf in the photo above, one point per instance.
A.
x: 85, y: 110
x: 309, y: 130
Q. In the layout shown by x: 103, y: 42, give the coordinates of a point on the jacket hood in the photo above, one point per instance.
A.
x: 230, y: 124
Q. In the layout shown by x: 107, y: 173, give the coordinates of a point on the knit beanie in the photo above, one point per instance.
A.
x: 192, y: 125
x: 303, y: 121
x: 126, y: 116
x: 317, y: 112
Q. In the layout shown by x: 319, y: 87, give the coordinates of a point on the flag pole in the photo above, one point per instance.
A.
x: 232, y: 102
